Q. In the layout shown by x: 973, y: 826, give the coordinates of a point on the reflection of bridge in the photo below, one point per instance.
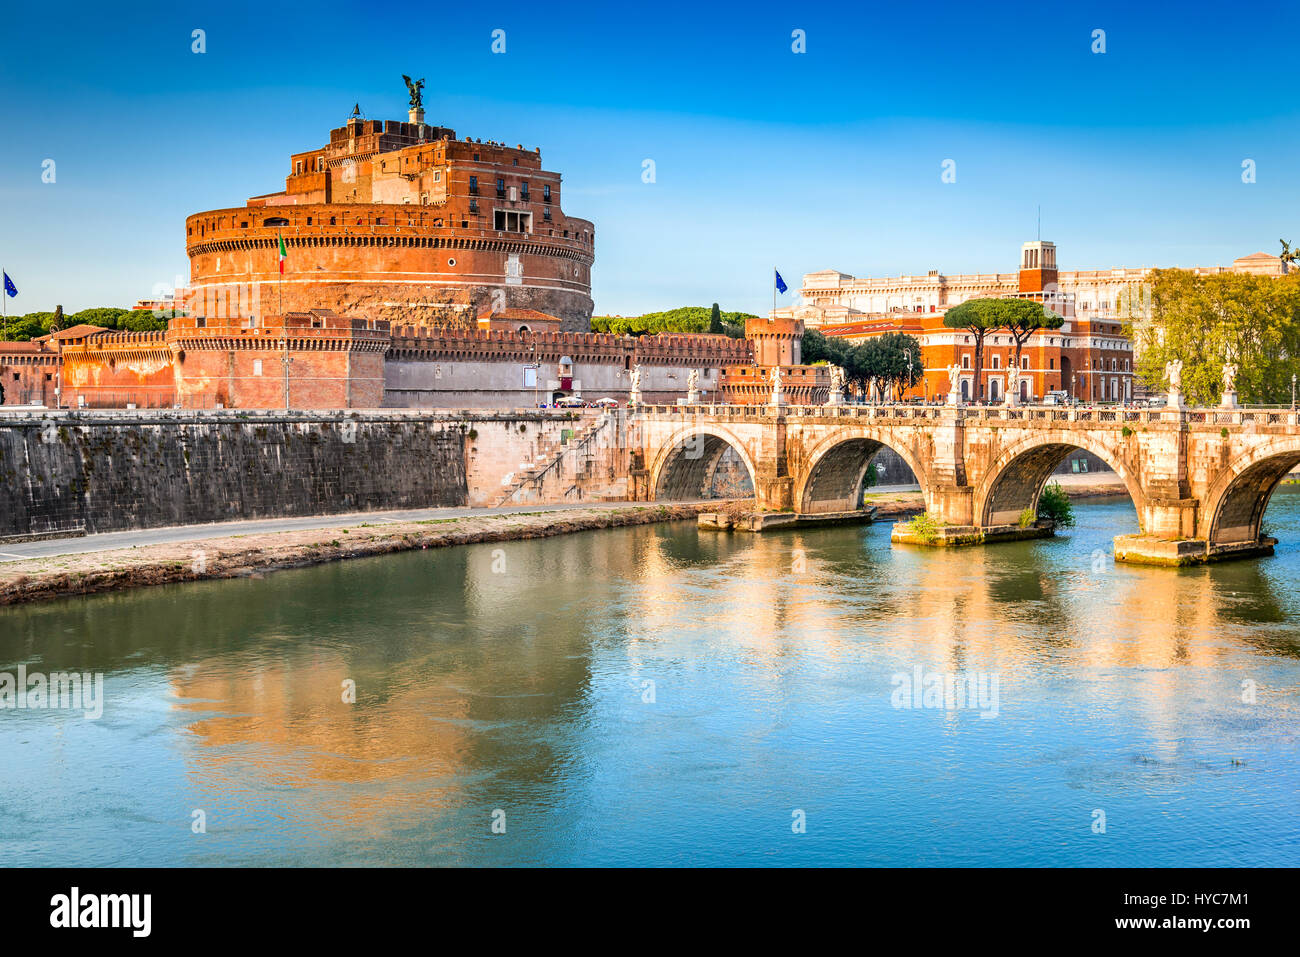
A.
x: 1200, y: 478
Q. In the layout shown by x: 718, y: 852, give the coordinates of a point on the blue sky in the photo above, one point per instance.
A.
x: 825, y: 159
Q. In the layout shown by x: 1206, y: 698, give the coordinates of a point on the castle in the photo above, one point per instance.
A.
x: 401, y: 222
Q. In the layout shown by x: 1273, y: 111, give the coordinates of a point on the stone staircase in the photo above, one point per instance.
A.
x: 550, y: 454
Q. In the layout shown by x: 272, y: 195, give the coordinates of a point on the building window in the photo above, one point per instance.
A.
x: 1051, y: 363
x: 508, y: 219
x: 546, y: 193
x: 473, y: 185
x: 996, y: 362
x: 473, y: 206
x: 546, y: 213
x: 257, y: 367
x: 965, y: 362
x: 1024, y: 362
x: 524, y: 190
x: 451, y: 262
x: 501, y: 188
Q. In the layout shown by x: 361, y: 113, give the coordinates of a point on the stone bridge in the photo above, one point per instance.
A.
x: 1200, y: 479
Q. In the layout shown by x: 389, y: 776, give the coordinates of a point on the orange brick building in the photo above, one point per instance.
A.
x: 1089, y: 357
x: 776, y: 343
x: 401, y: 222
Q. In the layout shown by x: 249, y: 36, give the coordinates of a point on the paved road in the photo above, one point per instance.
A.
x: 191, y: 533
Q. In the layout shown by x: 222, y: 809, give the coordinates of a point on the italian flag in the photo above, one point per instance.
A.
x: 284, y: 254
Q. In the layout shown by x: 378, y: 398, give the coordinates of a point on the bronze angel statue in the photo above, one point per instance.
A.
x: 416, y: 89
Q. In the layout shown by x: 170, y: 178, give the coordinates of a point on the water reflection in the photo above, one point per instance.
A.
x: 655, y: 695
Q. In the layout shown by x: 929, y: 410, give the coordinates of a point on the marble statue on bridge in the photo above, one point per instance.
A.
x: 1229, y: 399
x: 836, y: 396
x: 954, y: 384
x: 778, y: 397
x: 1174, y: 373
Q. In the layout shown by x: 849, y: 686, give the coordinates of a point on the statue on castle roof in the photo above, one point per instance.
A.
x: 416, y: 88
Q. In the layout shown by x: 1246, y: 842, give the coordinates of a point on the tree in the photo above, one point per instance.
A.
x: 1020, y: 317
x: 686, y: 319
x: 979, y: 318
x: 1024, y: 317
x: 1207, y: 321
x: 715, y: 320
x: 893, y: 359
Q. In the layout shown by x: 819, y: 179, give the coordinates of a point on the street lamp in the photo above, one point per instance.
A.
x: 907, y: 354
x: 1292, y: 391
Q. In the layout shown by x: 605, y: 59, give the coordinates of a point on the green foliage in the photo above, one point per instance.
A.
x: 872, y: 476
x: 886, y: 358
x: 686, y: 319
x: 1027, y: 518
x: 715, y: 320
x: 1021, y: 317
x: 1207, y: 321
x: 1056, y: 505
x: 1126, y: 431
x: 32, y: 325
x: 882, y: 357
x: 924, y: 527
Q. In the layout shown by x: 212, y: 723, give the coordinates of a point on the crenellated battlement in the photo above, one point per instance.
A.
x: 509, y: 346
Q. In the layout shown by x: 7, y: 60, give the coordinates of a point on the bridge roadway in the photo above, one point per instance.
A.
x: 1200, y: 479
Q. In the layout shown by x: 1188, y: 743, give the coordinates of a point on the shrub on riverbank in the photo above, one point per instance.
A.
x: 1054, y: 504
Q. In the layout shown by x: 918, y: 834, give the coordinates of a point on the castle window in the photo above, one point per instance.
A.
x: 333, y: 220
x: 546, y: 193
x: 501, y: 188
x: 546, y: 214
x: 1051, y: 363
x: 473, y: 206
x: 524, y: 190
x: 473, y: 184
x: 1024, y: 362
x: 308, y: 220
x: 475, y: 157
x: 451, y: 262
x: 995, y: 362
x: 257, y: 367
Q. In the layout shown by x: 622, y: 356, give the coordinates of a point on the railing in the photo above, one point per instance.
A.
x: 1102, y: 415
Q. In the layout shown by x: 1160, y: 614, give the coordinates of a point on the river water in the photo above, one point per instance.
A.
x: 658, y: 695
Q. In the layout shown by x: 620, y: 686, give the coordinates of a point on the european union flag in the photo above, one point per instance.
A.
x: 780, y: 283
x: 10, y: 287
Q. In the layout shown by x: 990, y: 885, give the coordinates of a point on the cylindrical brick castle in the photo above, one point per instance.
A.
x: 400, y: 222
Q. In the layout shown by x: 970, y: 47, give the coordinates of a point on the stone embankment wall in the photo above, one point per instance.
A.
x: 63, y: 472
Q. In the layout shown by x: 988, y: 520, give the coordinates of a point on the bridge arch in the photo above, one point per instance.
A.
x: 684, y: 466
x: 1235, y: 503
x: 1019, y: 473
x: 837, y: 465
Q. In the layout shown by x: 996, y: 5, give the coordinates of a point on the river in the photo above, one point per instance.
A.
x: 658, y: 695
